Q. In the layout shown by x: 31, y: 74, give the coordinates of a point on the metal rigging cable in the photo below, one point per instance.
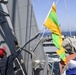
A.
x: 67, y: 17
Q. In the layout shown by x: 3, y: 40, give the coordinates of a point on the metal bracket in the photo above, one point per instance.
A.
x: 37, y: 64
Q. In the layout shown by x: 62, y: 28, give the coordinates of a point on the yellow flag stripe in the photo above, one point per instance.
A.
x: 51, y: 26
x: 54, y: 8
x: 61, y: 53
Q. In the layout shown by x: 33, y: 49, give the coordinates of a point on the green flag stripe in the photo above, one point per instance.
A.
x: 62, y: 55
x: 56, y: 39
x: 53, y: 17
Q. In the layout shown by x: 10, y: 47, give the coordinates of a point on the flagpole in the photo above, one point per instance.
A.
x: 47, y: 16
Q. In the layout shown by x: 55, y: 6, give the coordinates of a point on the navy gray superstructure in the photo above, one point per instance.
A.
x: 18, y: 23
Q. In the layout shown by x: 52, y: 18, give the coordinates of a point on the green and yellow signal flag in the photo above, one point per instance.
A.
x: 51, y: 22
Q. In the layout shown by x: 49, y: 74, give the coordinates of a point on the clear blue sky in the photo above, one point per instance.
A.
x: 42, y: 7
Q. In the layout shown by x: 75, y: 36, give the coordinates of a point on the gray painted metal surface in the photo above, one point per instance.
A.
x: 7, y: 37
x: 21, y: 26
x: 25, y: 27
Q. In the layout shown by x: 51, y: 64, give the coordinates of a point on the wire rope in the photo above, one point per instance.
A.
x: 67, y: 17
